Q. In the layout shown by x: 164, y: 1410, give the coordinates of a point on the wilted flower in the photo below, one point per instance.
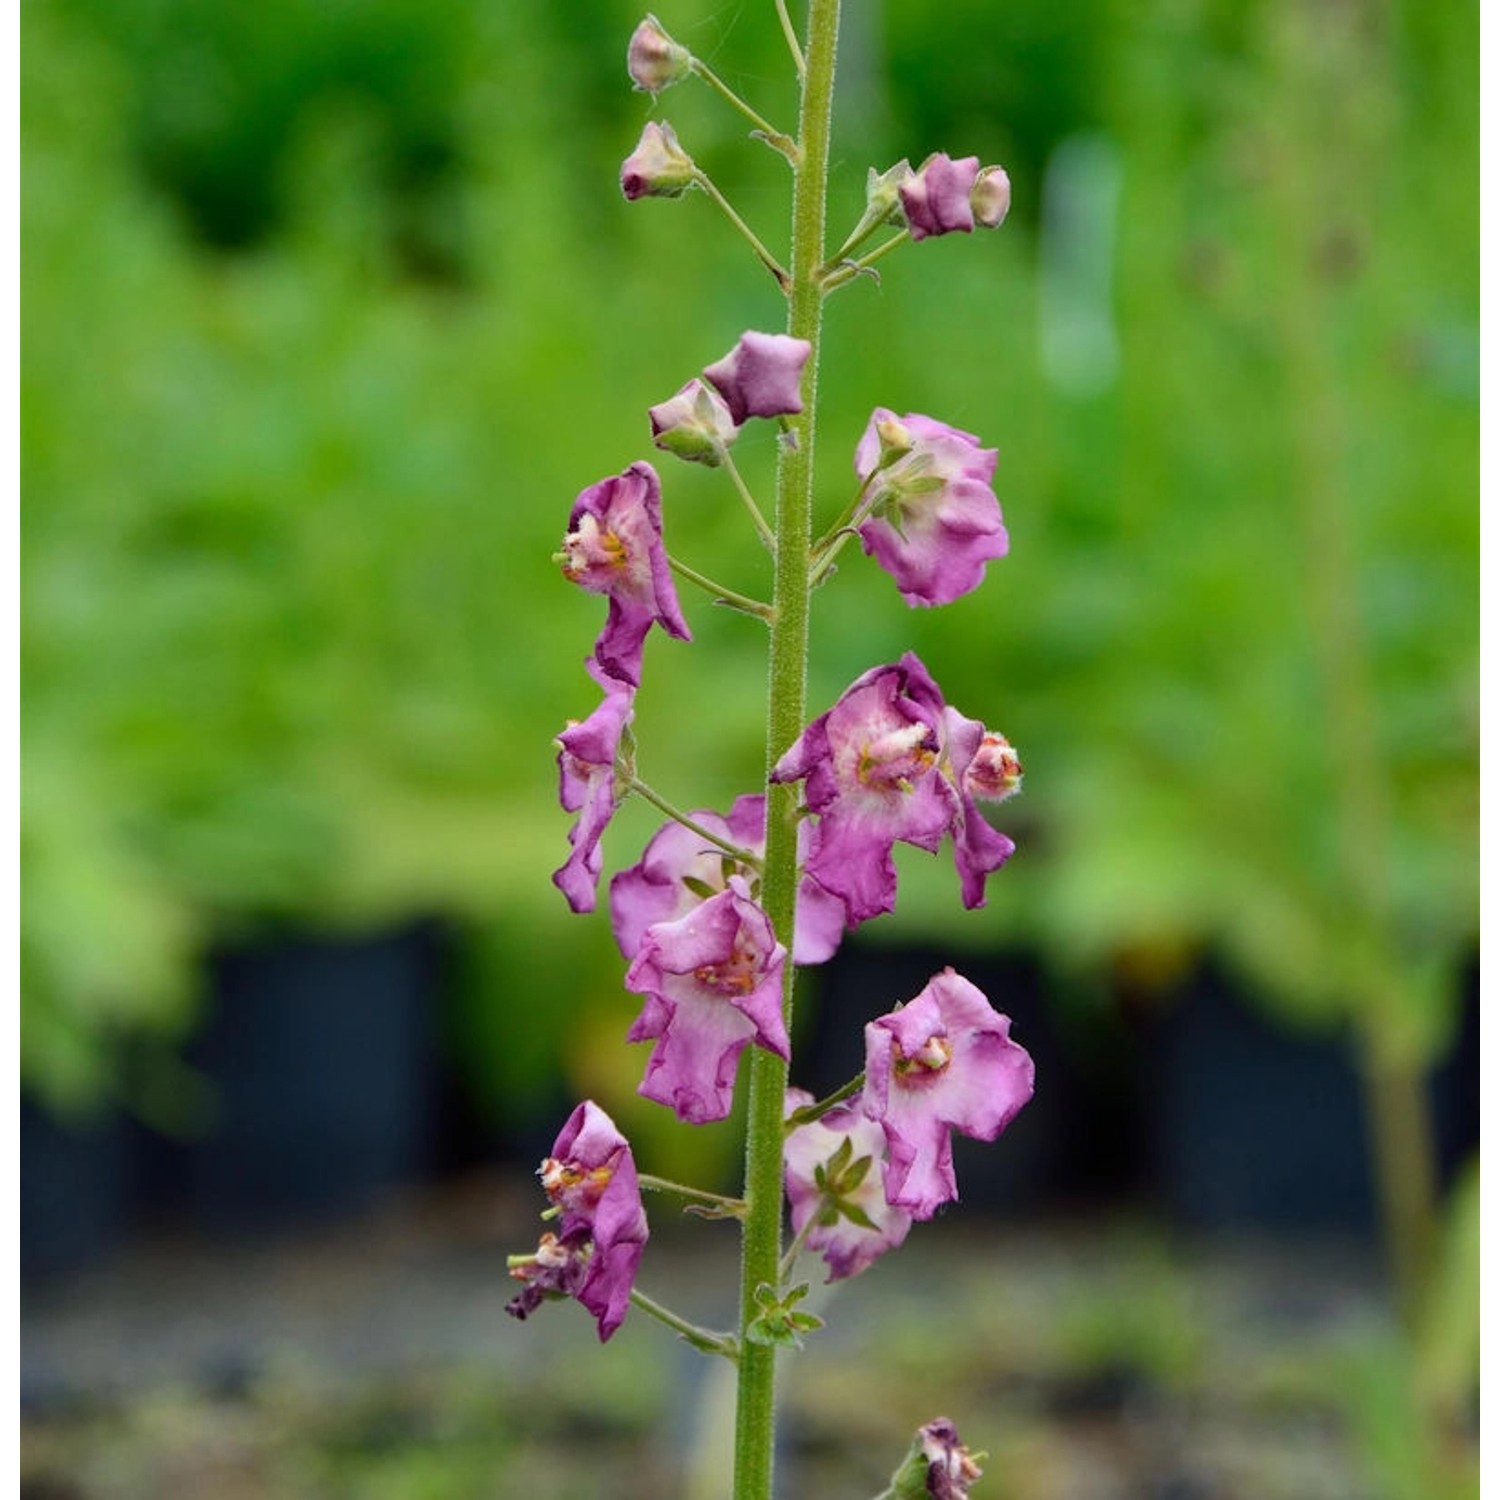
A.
x: 595, y: 1252
x: 653, y: 60
x: 614, y: 547
x: 586, y: 774
x: 833, y: 1177
x: 712, y: 982
x: 870, y: 765
x: 943, y: 1062
x: 761, y: 376
x: 679, y: 869
x: 934, y: 522
x: 658, y: 167
x: 938, y: 1467
x: 695, y: 424
x: 935, y: 198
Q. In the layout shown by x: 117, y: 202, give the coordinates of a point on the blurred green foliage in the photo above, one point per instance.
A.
x: 331, y: 309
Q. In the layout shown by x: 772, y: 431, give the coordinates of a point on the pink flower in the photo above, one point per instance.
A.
x: 935, y: 197
x: 595, y: 1252
x: 979, y: 765
x: 679, y: 869
x: 761, y: 376
x: 833, y: 1177
x: 614, y: 547
x: 934, y: 521
x: 943, y: 1062
x: 870, y: 764
x: 586, y: 774
x: 712, y: 982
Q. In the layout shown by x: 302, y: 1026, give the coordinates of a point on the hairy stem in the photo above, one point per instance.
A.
x: 755, y: 1415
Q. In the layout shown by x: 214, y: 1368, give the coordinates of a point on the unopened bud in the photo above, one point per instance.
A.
x: 658, y: 167
x: 653, y: 60
x: 895, y: 440
x: 990, y: 197
x: 935, y: 199
x: 695, y: 424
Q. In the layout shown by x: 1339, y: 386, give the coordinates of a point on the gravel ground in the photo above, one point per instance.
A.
x: 1094, y: 1361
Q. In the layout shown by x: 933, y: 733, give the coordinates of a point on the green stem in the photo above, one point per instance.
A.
x: 793, y: 45
x: 755, y: 1415
x: 841, y: 273
x: 741, y: 602
x: 744, y: 856
x: 732, y: 1208
x: 795, y: 1248
x: 762, y: 526
x: 768, y: 260
x: 700, y: 1338
x: 811, y: 1112
x: 768, y: 131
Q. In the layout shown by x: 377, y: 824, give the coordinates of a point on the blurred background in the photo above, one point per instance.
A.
x: 330, y: 310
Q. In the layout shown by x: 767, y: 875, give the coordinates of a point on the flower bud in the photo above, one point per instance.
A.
x: 990, y: 197
x: 658, y: 167
x: 761, y: 376
x: 653, y: 60
x: 935, y: 199
x: 695, y: 424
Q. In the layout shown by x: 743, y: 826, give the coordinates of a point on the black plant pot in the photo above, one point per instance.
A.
x: 1255, y: 1126
x: 76, y: 1190
x: 320, y: 1058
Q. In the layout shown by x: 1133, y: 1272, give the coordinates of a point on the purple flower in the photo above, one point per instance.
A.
x: 593, y: 1256
x: 653, y: 60
x: 658, y: 167
x: 934, y: 522
x: 935, y: 197
x: 694, y: 424
x: 980, y: 766
x: 614, y: 547
x: 679, y: 869
x: 833, y: 1177
x: 943, y: 1062
x: 586, y: 776
x: 712, y: 982
x: 761, y: 376
x: 871, y: 764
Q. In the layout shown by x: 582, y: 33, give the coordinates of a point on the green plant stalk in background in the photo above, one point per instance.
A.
x: 755, y: 1415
